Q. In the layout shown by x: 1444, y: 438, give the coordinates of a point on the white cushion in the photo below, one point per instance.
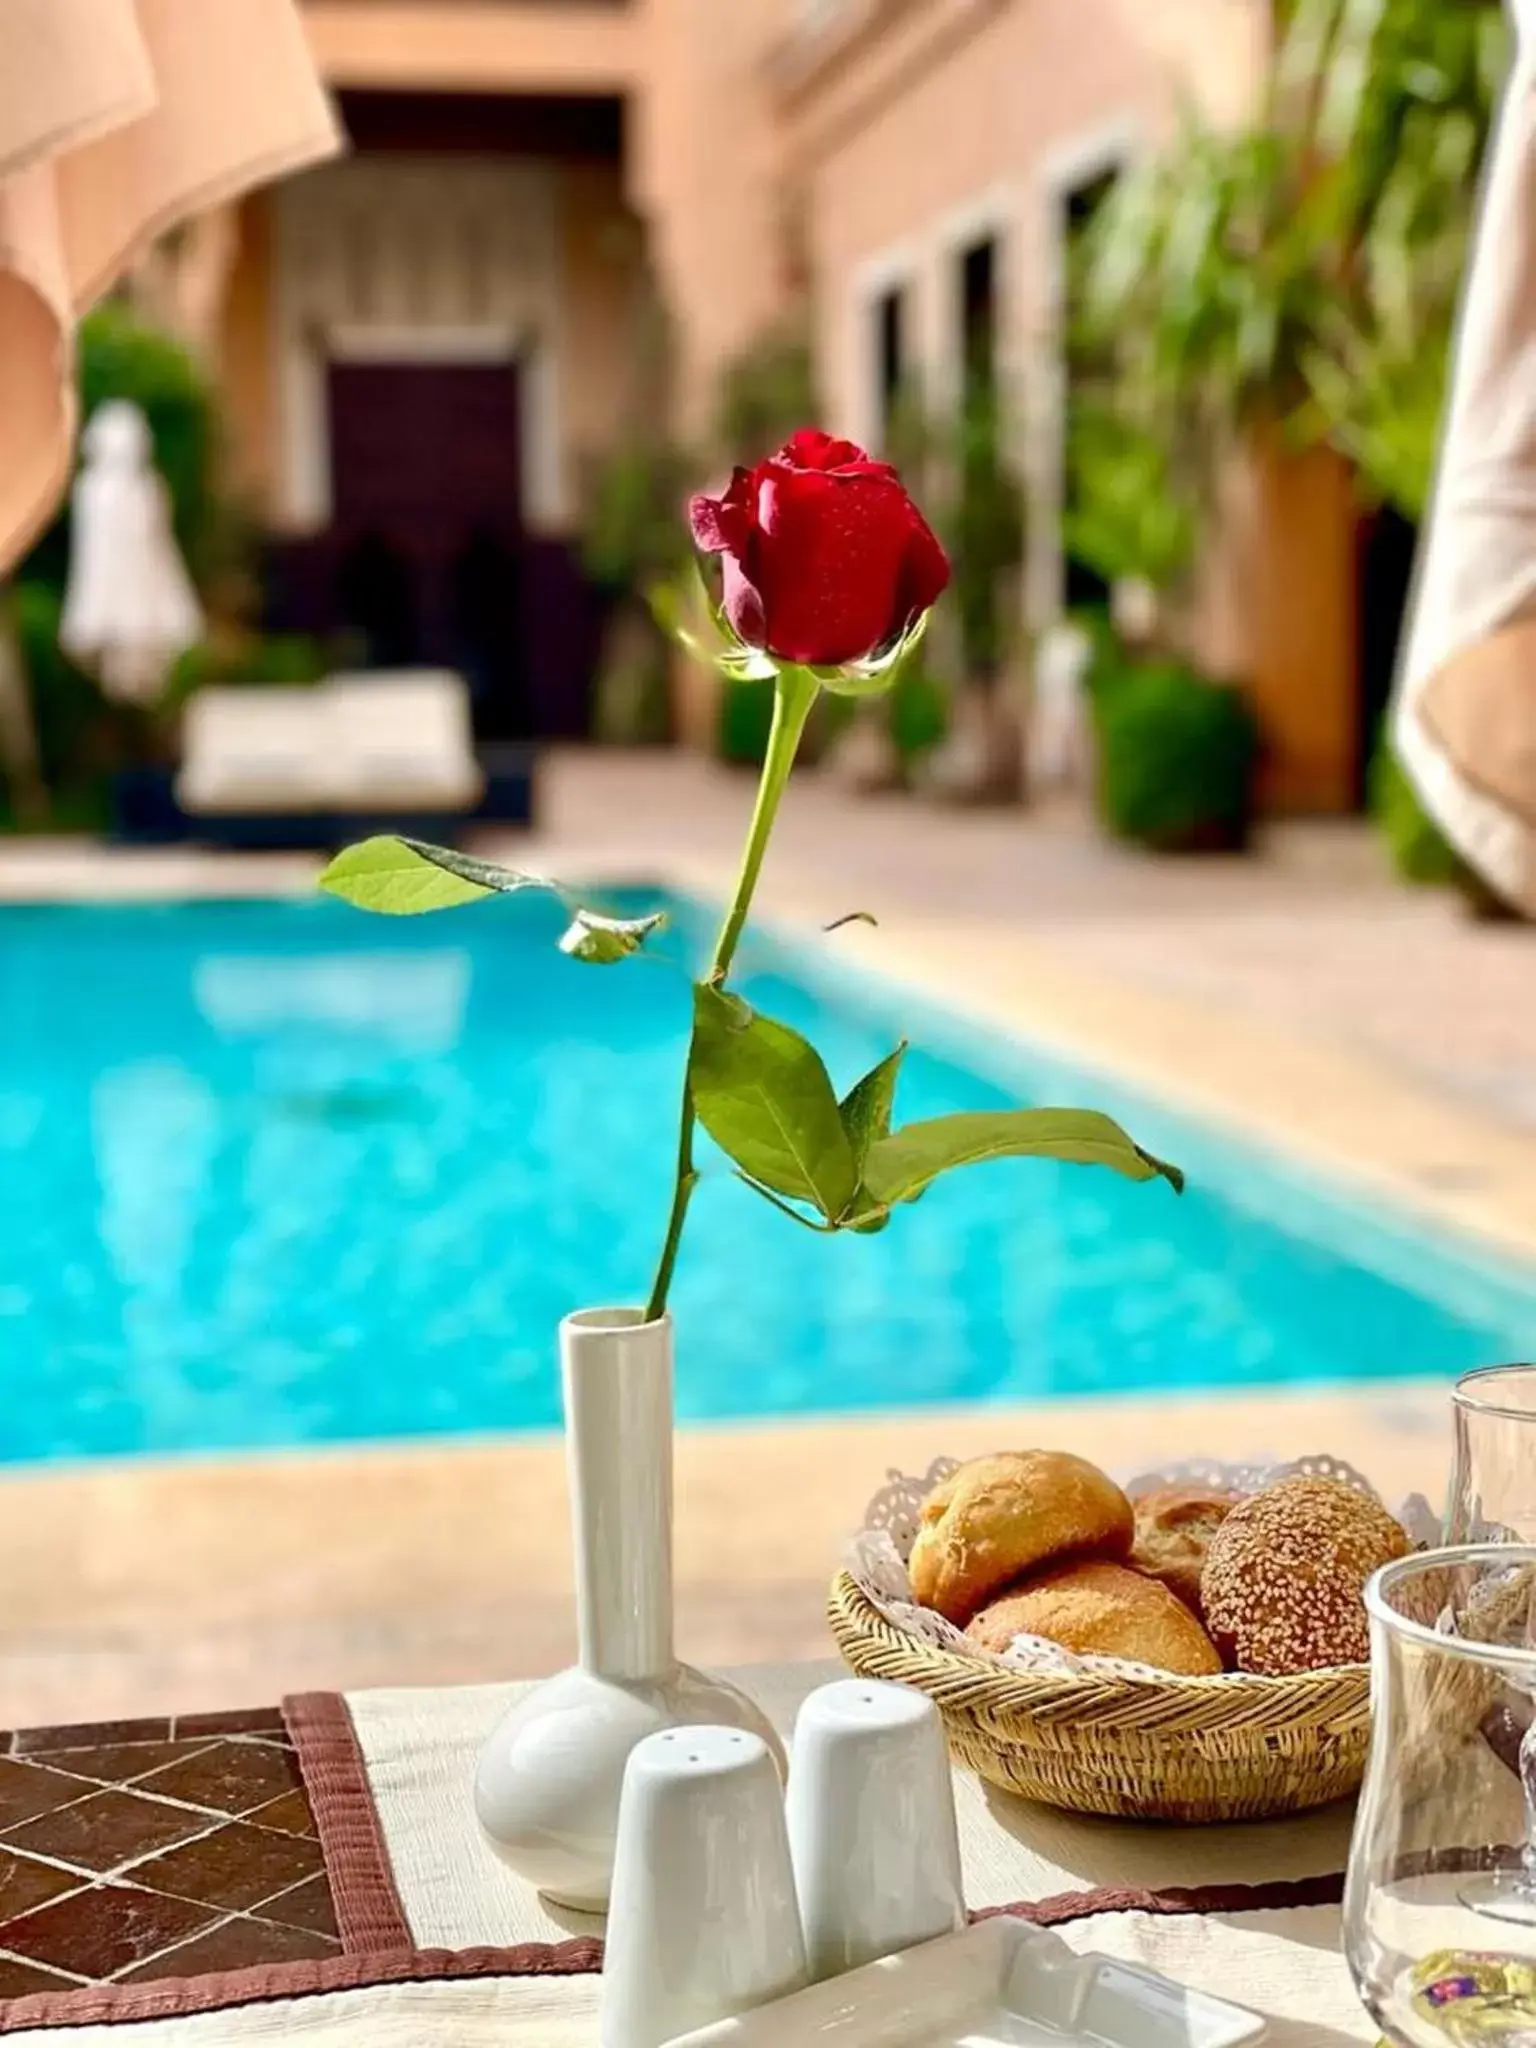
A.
x: 254, y: 750
x: 403, y: 740
x: 355, y: 743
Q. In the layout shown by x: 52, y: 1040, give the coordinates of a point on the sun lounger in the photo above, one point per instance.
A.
x: 315, y: 765
x: 402, y: 741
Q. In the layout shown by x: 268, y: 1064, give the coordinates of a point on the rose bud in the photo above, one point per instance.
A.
x: 826, y: 559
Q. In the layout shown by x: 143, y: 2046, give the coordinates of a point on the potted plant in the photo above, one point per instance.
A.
x: 827, y: 573
x: 632, y: 545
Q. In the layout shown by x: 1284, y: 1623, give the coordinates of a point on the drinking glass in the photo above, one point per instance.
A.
x: 1440, y: 1904
x: 1493, y: 1477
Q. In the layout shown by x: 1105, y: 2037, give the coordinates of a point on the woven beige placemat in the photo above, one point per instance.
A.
x: 419, y: 1748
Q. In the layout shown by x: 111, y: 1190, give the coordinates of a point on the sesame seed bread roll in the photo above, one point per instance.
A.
x: 999, y: 1517
x: 1285, y: 1574
x: 1101, y: 1610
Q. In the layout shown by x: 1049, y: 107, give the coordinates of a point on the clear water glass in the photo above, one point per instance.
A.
x: 1440, y: 1905
x: 1493, y: 1477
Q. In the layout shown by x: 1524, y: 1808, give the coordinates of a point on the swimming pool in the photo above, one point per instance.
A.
x: 274, y: 1173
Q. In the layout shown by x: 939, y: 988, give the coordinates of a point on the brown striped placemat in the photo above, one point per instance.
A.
x: 151, y: 1870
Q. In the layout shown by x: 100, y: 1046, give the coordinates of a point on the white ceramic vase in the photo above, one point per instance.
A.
x: 548, y: 1784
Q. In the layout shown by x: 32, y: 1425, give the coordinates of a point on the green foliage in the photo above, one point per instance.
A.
x: 294, y: 659
x: 905, y: 1164
x: 919, y: 711
x: 1418, y: 850
x: 1126, y: 515
x: 1404, y: 114
x: 1109, y: 662
x: 119, y: 357
x: 1307, y: 270
x: 1194, y: 290
x: 764, y: 1095
x: 1177, y: 757
x: 867, y: 1108
x: 984, y: 531
x: 605, y: 941
x: 960, y: 465
x: 745, y: 720
x: 632, y: 695
x: 405, y: 877
x: 634, y: 532
x: 66, y: 703
x: 765, y: 393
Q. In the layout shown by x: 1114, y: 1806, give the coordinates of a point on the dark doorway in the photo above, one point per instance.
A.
x: 1387, y: 545
x: 1083, y: 588
x: 890, y: 339
x: 426, y: 535
x: 978, y: 316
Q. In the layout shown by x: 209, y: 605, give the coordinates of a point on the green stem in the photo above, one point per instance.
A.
x: 794, y: 694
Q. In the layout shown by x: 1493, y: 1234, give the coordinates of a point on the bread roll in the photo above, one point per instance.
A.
x: 1174, y: 1527
x: 999, y: 1517
x: 1285, y: 1572
x: 1101, y: 1610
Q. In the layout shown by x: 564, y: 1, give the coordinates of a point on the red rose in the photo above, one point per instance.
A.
x: 826, y: 558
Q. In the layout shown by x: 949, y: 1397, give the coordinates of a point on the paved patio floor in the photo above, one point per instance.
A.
x: 1302, y: 994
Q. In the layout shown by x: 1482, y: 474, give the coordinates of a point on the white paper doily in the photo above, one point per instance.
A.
x: 877, y: 1556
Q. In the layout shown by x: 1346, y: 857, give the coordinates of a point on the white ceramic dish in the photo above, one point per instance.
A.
x: 1000, y: 1984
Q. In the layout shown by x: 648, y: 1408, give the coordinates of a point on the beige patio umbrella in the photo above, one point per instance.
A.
x: 118, y: 119
x: 1465, y: 717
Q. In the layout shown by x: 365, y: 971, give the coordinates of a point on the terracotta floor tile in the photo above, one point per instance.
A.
x: 233, y: 1777
x: 30, y: 1789
x: 308, y: 1905
x: 18, y: 1980
x: 103, y: 1930
x: 234, y: 1868
x: 107, y: 1830
x: 117, y: 1763
x: 34, y: 1741
x: 236, y: 1945
x: 290, y: 1815
x: 25, y: 1885
x: 243, y: 1721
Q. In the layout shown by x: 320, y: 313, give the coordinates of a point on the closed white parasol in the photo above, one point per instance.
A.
x: 1465, y: 720
x: 129, y: 605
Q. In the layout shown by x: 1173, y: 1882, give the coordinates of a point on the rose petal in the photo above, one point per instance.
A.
x: 811, y: 448
x: 829, y: 555
x: 924, y: 573
x: 744, y: 604
x: 724, y: 521
x: 814, y: 450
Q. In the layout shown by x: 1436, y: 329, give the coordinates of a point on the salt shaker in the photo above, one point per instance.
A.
x: 871, y: 1812
x: 702, y: 1918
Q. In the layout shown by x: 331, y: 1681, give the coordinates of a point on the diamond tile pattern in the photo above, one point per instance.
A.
x: 146, y: 1849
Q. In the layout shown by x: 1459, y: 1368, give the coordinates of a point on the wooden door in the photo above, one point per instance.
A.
x: 426, y: 470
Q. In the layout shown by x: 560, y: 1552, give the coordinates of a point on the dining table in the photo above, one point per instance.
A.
x: 312, y: 1871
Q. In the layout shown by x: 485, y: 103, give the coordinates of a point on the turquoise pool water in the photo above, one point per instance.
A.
x: 277, y: 1174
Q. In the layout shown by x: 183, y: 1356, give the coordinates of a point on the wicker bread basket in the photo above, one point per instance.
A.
x: 1175, y: 1749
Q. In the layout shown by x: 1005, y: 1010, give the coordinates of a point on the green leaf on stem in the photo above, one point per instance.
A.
x: 605, y: 940
x: 901, y: 1166
x: 764, y: 1096
x: 404, y: 877
x: 866, y: 1108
